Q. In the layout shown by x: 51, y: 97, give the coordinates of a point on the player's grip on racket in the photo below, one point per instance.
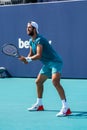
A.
x: 25, y: 59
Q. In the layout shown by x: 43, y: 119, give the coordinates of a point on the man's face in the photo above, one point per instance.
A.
x: 30, y: 30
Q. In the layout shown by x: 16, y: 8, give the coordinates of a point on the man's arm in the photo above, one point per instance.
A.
x: 38, y: 53
x: 31, y: 56
x: 30, y: 52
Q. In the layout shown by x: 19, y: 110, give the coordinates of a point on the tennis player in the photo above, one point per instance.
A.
x: 40, y: 49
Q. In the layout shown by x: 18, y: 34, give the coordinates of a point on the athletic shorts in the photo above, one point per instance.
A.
x: 51, y: 68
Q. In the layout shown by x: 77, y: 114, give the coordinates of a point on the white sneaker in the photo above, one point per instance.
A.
x: 64, y: 112
x: 36, y: 107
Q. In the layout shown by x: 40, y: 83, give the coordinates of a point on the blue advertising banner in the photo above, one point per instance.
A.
x: 64, y: 24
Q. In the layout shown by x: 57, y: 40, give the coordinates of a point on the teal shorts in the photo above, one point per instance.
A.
x: 51, y: 68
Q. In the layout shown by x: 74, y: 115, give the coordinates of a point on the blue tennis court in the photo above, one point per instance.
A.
x: 17, y: 94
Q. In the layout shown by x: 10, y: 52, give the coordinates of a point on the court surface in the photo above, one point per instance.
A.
x: 17, y: 94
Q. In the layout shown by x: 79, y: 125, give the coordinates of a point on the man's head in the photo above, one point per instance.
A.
x: 32, y: 28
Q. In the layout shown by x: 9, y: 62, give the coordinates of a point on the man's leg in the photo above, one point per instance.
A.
x: 39, y: 83
x: 56, y: 82
x: 38, y: 106
x: 59, y: 88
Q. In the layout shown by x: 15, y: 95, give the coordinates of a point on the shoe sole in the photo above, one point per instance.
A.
x: 40, y: 108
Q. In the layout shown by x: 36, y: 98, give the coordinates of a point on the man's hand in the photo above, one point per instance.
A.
x: 23, y: 59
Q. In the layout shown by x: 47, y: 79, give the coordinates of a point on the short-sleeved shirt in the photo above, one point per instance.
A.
x: 51, y: 60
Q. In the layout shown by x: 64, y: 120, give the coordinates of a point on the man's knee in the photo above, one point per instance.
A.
x: 56, y: 79
x: 41, y: 79
x: 55, y: 82
x: 38, y: 82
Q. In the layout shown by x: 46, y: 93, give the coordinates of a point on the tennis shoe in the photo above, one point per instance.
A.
x: 64, y: 112
x: 36, y: 107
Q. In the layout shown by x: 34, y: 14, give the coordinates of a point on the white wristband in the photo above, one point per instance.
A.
x: 28, y: 59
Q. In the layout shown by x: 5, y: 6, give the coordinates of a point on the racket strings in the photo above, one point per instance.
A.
x: 10, y: 50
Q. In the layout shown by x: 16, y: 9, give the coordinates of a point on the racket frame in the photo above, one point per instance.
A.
x: 13, y: 55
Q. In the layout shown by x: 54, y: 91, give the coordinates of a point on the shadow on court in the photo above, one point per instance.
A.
x: 74, y: 114
x: 78, y: 115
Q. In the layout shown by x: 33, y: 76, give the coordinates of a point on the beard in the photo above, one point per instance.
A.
x: 31, y: 33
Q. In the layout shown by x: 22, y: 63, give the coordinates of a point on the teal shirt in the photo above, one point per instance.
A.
x: 48, y: 53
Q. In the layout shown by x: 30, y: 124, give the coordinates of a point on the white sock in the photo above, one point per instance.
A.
x: 64, y: 104
x: 39, y: 101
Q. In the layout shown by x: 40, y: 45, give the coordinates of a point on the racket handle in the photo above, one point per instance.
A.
x: 28, y: 59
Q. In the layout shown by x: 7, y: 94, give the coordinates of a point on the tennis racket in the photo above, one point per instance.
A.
x: 10, y: 50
